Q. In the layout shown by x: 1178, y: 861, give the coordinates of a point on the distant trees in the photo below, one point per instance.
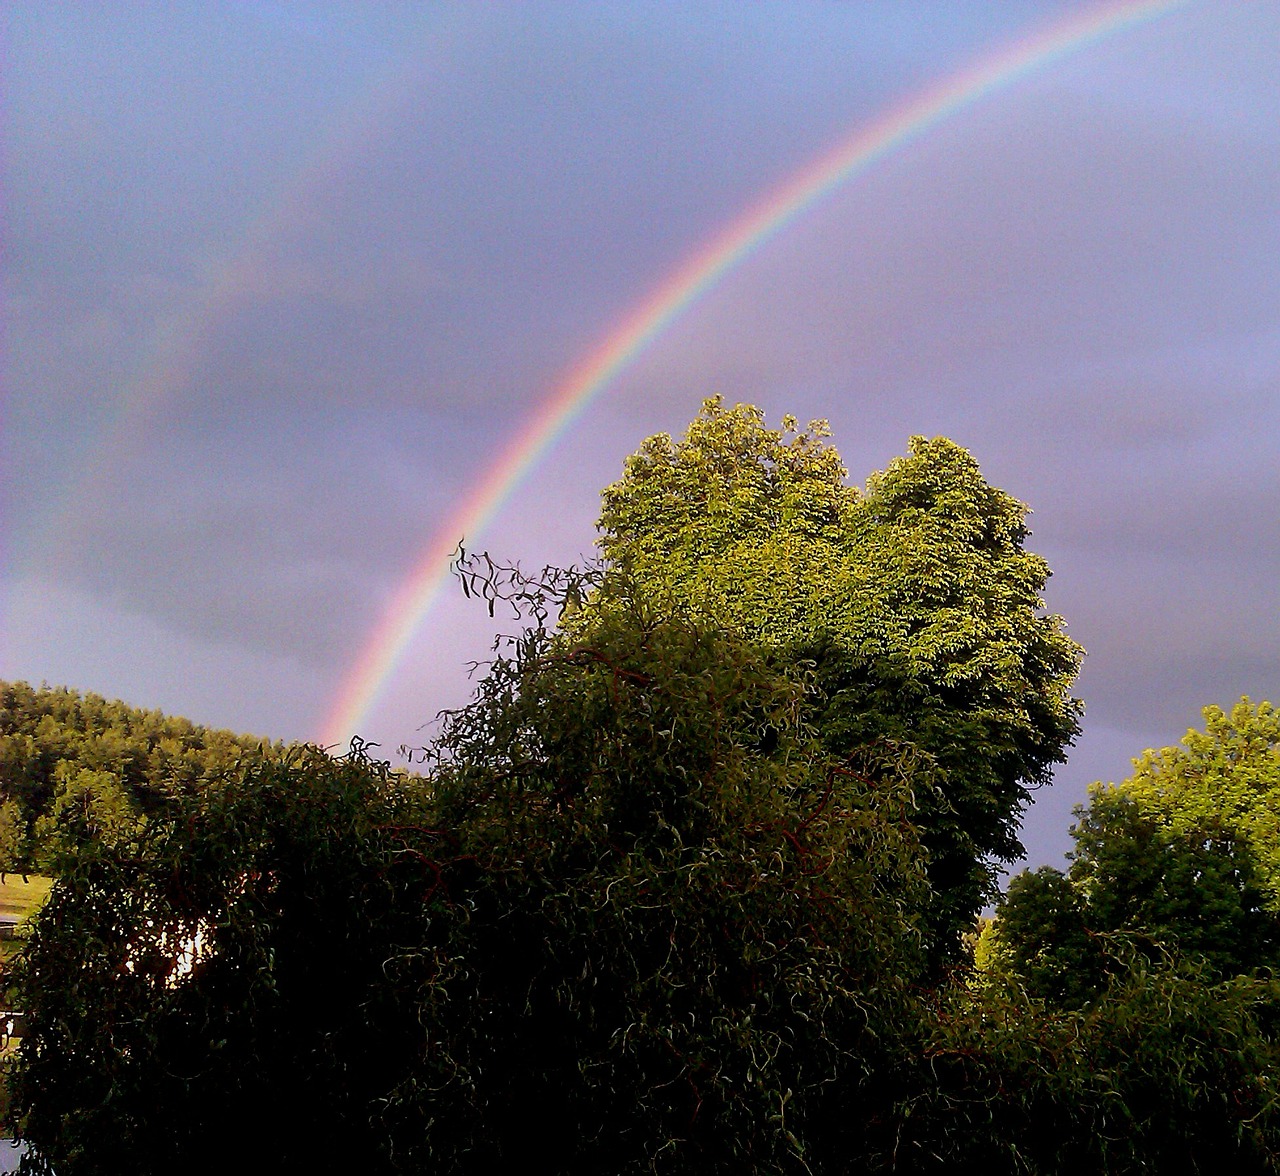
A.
x: 13, y: 838
x: 88, y: 805
x: 915, y: 604
x: 74, y: 765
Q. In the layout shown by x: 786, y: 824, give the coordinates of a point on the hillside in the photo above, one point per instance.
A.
x: 67, y: 756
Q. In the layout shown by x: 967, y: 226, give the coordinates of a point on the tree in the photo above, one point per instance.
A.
x: 1226, y: 777
x: 213, y: 970
x: 13, y: 840
x: 1179, y: 858
x: 1043, y: 937
x: 88, y: 805
x: 1166, y: 1070
x: 915, y: 602
x: 633, y: 917
x: 724, y: 931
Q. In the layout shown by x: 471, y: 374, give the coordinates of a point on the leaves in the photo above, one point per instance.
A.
x: 915, y: 604
x: 633, y: 916
x: 1165, y: 1071
x: 1180, y: 858
x: 677, y: 917
x: 78, y: 766
x: 670, y: 892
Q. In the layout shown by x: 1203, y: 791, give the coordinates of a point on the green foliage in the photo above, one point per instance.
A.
x: 13, y: 836
x: 634, y: 918
x: 1227, y: 778
x: 87, y: 805
x: 670, y: 891
x: 63, y: 753
x: 915, y: 602
x: 1165, y: 1071
x: 1161, y: 862
x: 1042, y: 936
x: 689, y: 923
x: 715, y: 517
x: 214, y: 978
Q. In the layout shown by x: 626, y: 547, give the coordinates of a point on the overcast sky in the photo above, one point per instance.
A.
x: 281, y: 281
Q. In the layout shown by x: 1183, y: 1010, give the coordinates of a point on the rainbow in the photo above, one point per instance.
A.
x: 234, y: 278
x: 698, y: 274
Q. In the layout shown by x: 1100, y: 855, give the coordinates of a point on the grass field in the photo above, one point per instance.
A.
x: 18, y: 899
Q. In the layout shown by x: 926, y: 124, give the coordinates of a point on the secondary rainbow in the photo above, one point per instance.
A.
x: 899, y: 126
x: 232, y: 281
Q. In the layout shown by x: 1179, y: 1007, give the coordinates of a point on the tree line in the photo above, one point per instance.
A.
x: 691, y: 884
x: 74, y: 764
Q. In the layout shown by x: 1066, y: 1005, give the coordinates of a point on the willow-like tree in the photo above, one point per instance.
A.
x: 632, y: 919
x: 915, y: 604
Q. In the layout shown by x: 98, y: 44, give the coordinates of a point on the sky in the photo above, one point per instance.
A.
x: 285, y: 285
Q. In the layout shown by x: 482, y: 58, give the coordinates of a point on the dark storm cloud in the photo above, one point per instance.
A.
x: 285, y: 532
x: 231, y: 565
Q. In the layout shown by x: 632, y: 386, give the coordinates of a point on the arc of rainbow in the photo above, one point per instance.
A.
x: 686, y: 285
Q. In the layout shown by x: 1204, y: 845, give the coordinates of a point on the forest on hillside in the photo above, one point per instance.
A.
x: 691, y: 885
x: 71, y: 759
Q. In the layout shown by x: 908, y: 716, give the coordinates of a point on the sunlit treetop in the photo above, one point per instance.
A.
x: 914, y: 603
x: 1226, y: 776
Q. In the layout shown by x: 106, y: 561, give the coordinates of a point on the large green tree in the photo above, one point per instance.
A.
x: 915, y: 602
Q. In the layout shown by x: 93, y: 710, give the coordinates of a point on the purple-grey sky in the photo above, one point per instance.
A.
x: 281, y: 280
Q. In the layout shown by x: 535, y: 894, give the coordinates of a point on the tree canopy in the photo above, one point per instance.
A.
x: 914, y: 600
x: 633, y: 916
x: 71, y: 760
x: 671, y: 892
x: 1180, y: 858
x: 1224, y: 778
